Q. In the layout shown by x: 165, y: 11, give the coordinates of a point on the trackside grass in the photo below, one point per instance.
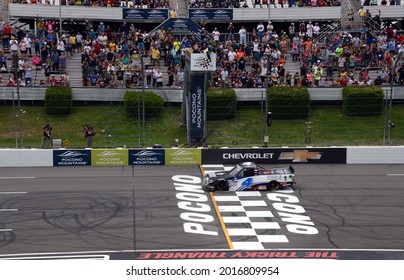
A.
x: 115, y: 129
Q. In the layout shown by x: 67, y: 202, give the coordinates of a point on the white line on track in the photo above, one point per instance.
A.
x: 13, y: 193
x: 6, y: 210
x: 13, y: 178
x: 395, y: 174
x: 68, y: 257
x: 6, y: 229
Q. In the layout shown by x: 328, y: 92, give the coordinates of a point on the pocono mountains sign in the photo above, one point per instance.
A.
x: 211, y: 14
x: 145, y: 14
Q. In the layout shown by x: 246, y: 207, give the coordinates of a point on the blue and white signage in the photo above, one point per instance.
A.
x: 71, y: 157
x: 211, y: 14
x: 146, y: 157
x: 145, y: 14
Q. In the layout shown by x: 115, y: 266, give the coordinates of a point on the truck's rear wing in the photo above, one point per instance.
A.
x: 292, y: 170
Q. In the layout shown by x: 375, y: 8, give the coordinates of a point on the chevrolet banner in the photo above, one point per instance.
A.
x: 278, y: 156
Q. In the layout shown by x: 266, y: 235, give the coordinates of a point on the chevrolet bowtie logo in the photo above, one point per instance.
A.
x: 300, y: 155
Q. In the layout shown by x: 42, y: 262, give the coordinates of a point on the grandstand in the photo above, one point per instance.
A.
x: 336, y: 20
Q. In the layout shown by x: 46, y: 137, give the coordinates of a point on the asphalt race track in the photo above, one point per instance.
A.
x: 123, y: 212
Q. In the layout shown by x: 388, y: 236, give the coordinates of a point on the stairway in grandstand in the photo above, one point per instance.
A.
x: 294, y: 67
x: 181, y: 6
x: 73, y: 67
x: 75, y: 73
x: 3, y: 10
x: 344, y: 23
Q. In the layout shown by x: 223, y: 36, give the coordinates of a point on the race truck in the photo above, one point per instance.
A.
x: 248, y: 176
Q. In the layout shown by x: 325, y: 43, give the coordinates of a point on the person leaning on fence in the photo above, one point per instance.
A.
x: 46, y: 136
x: 89, y: 135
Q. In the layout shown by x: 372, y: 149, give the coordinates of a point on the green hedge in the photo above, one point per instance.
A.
x: 58, y: 100
x: 221, y: 103
x: 288, y: 102
x: 362, y: 100
x: 153, y: 103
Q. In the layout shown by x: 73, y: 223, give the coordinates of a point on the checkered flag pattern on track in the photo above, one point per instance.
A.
x: 248, y: 220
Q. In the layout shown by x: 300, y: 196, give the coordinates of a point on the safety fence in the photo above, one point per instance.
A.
x: 196, y: 156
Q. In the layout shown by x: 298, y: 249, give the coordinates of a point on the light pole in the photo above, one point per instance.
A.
x: 143, y: 109
x: 15, y: 62
x: 390, y: 124
x: 60, y: 18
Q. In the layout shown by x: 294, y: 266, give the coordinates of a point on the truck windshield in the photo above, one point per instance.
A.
x: 235, y: 171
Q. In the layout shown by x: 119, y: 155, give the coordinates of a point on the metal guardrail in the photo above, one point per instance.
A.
x: 175, y: 95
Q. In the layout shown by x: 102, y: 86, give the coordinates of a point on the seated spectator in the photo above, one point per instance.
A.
x: 11, y: 83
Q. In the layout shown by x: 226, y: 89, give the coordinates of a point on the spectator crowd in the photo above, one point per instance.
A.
x: 262, y: 3
x: 112, y: 57
x: 150, y: 4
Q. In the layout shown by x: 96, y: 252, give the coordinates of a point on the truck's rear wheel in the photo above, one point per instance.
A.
x: 274, y: 185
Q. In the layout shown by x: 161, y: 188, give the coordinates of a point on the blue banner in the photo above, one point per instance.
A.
x: 196, y: 116
x: 180, y: 25
x: 147, y: 157
x: 211, y: 14
x: 145, y: 14
x: 71, y: 157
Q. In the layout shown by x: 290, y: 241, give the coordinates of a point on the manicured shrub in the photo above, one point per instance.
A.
x: 288, y: 102
x: 58, y: 100
x: 221, y: 103
x: 362, y: 100
x: 153, y: 103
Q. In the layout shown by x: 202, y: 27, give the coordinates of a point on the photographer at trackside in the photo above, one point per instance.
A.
x: 89, y: 134
x: 46, y: 136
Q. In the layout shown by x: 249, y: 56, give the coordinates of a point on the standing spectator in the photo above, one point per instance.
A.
x: 230, y: 30
x: 309, y: 29
x: 21, y: 67
x: 55, y: 60
x: 14, y: 45
x: 243, y: 35
x: 46, y: 136
x: 60, y: 46
x: 362, y: 14
x: 2, y: 25
x: 292, y: 30
x: 28, y: 75
x: 159, y: 78
x: 260, y: 31
x: 89, y: 135
x: 50, y: 26
x: 63, y: 61
x: 3, y: 61
x: 28, y: 44
x: 155, y: 56
x: 270, y: 28
x: 149, y: 74
x: 101, y: 28
x: 316, y: 30
x: 180, y: 78
x: 216, y: 35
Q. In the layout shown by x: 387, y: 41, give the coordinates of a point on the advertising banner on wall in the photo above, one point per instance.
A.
x: 211, y: 14
x: 183, y: 156
x: 146, y: 157
x: 145, y: 14
x: 274, y: 156
x: 196, y: 117
x: 109, y: 157
x: 180, y: 26
x: 71, y: 157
